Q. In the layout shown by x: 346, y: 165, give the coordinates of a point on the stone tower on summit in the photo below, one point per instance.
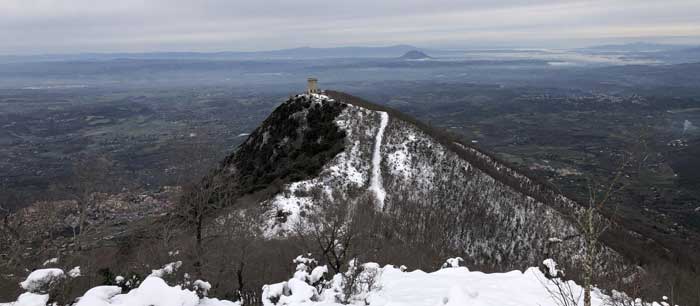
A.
x: 313, y: 86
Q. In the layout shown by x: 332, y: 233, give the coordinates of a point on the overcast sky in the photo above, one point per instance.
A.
x: 71, y: 26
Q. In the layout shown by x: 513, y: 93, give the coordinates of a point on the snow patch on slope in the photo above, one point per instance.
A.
x: 425, y: 176
x: 376, y: 181
x: 399, y: 161
x: 347, y: 170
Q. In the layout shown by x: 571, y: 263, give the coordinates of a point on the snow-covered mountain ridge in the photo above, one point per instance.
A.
x: 333, y: 175
x: 445, y: 194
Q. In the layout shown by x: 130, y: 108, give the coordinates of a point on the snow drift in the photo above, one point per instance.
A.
x: 361, y: 284
x: 453, y: 285
x: 153, y: 291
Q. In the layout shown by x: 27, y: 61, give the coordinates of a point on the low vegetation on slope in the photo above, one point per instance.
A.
x: 298, y: 138
x: 452, y: 284
x: 309, y: 167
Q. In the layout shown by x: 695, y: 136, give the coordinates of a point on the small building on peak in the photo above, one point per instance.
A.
x: 313, y: 86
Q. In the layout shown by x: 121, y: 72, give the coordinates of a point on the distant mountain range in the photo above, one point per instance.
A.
x: 640, y: 47
x: 661, y: 53
x: 283, y: 54
x: 637, y: 47
x: 640, y: 50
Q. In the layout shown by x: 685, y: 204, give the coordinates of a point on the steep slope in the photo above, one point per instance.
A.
x: 346, y: 173
x: 293, y: 143
x: 444, y: 194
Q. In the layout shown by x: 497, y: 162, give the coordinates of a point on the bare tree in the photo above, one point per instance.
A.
x: 10, y: 236
x: 592, y: 226
x: 589, y: 220
x: 12, y: 232
x: 559, y: 290
x: 89, y: 178
x: 239, y: 237
x: 358, y: 281
x: 195, y: 206
x: 591, y: 223
x: 337, y: 228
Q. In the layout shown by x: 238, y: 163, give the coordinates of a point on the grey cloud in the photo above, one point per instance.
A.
x: 51, y: 26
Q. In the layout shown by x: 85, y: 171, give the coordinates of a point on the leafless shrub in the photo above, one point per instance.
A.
x: 340, y: 228
x: 561, y: 291
x: 358, y: 281
x: 90, y: 177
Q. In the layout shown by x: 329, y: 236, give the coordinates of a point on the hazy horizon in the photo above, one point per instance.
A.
x: 82, y: 26
x: 418, y: 47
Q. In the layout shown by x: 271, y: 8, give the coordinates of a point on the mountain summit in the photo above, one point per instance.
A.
x: 439, y: 193
x: 414, y: 55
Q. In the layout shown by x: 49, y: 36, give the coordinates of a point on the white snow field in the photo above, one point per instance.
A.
x: 459, y: 286
x: 452, y: 285
x: 375, y: 183
x: 153, y: 291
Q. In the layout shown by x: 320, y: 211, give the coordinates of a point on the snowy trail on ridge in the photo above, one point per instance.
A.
x: 376, y: 179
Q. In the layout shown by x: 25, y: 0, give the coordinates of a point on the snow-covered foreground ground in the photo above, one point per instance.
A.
x: 371, y: 285
x: 459, y: 286
x: 153, y: 291
x: 450, y: 286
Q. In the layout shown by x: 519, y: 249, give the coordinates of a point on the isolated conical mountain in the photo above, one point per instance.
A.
x: 442, y: 193
x: 414, y: 55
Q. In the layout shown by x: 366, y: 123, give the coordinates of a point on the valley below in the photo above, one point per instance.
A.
x: 145, y: 137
